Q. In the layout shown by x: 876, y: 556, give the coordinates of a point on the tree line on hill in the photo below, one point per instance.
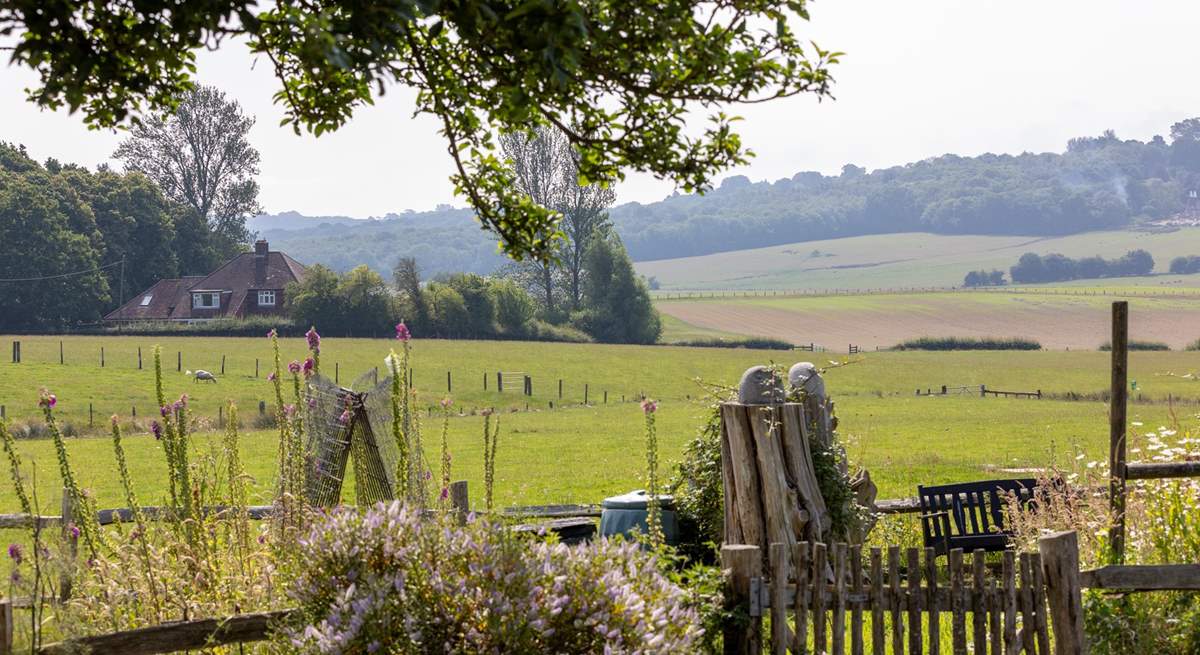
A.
x: 1055, y: 267
x: 1099, y: 182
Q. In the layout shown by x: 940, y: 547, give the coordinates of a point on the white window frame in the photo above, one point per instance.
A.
x: 198, y: 300
x: 263, y: 296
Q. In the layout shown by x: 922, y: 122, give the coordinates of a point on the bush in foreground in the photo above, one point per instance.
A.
x: 389, y: 581
x: 968, y: 343
x: 1140, y: 345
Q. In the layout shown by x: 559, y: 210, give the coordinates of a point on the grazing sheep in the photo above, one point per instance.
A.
x: 203, y: 375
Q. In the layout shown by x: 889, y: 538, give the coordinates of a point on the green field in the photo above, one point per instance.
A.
x: 582, y: 453
x: 907, y: 260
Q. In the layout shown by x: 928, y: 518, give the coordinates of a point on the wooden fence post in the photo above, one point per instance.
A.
x: 983, y: 391
x: 460, y: 501
x: 499, y: 382
x: 485, y: 380
x: 139, y: 358
x: 6, y: 627
x: 1060, y: 566
x: 70, y: 541
x: 91, y: 417
x: 1116, y: 426
x: 449, y: 383
x: 61, y: 358
x: 179, y: 360
x: 101, y: 356
x: 222, y: 364
x: 560, y: 388
x: 739, y: 563
x: 585, y: 393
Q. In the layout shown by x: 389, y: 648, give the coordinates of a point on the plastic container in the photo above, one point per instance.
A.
x: 625, y: 513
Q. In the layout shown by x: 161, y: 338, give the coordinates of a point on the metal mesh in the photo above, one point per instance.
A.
x: 340, y: 425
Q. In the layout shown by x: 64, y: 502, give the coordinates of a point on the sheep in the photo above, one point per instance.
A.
x: 203, y: 375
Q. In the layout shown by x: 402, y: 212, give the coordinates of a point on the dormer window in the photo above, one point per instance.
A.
x: 206, y: 300
x: 146, y: 300
x: 266, y: 298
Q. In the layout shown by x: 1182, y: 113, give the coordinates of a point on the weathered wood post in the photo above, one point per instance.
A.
x: 61, y: 358
x: 1060, y: 567
x: 499, y: 382
x: 178, y: 360
x: 6, y: 627
x: 101, y: 356
x: 16, y: 352
x: 983, y: 391
x: 739, y: 563
x: 140, y: 358
x: 449, y: 383
x: 585, y: 393
x: 560, y: 388
x: 460, y: 501
x: 1116, y: 426
x: 485, y: 381
x: 222, y: 364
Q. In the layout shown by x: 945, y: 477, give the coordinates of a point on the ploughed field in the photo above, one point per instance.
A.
x: 576, y: 453
x: 1075, y: 318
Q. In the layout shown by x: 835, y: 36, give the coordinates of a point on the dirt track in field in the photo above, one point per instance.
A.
x: 887, y: 321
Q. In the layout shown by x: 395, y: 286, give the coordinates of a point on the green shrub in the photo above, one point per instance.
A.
x: 1141, y: 345
x: 752, y: 343
x: 968, y: 343
x: 538, y: 330
x: 254, y: 326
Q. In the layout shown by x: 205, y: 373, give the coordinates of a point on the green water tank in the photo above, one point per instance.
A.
x: 625, y: 513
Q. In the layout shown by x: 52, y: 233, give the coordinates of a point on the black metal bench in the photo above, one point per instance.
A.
x: 970, y: 515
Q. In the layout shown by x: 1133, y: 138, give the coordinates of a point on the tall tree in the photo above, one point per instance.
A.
x: 585, y: 215
x: 407, y: 277
x: 201, y: 157
x: 623, y: 79
x: 618, y: 308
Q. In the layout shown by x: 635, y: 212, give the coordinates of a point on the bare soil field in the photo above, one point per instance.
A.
x: 870, y: 321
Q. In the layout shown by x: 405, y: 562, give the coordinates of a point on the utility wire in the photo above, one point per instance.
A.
x: 55, y: 277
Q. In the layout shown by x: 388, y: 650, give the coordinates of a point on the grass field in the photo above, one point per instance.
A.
x: 1058, y: 317
x: 583, y: 453
x: 907, y: 260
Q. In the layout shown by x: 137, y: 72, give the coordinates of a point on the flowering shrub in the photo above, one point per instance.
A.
x: 387, y: 581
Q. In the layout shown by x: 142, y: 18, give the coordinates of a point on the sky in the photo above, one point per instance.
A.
x: 918, y: 80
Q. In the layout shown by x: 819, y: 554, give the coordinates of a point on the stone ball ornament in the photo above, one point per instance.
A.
x: 805, y: 377
x: 760, y: 386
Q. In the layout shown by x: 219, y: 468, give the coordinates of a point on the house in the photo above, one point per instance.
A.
x: 251, y: 284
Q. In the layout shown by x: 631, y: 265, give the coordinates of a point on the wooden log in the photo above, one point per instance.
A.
x: 777, y: 499
x: 897, y: 617
x: 781, y: 555
x: 877, y: 621
x: 915, y: 642
x: 733, y: 528
x: 839, y: 599
x: 1161, y: 470
x: 800, y: 553
x: 800, y: 472
x: 1117, y: 408
x: 935, y: 619
x: 740, y: 562
x: 898, y: 506
x: 1060, y: 565
x: 171, y: 637
x: 858, y: 594
x: 978, y: 603
x: 1161, y: 577
x: 1008, y: 585
x: 1041, y: 625
x: 747, y: 489
x: 958, y: 626
x: 820, y: 643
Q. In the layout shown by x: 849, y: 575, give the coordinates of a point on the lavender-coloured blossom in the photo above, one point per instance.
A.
x: 308, y: 366
x: 47, y: 399
x: 271, y: 376
x: 15, y: 552
x: 402, y: 333
x: 314, y: 339
x: 345, y: 417
x: 649, y: 406
x: 73, y: 530
x: 294, y: 367
x: 271, y: 334
x: 156, y: 430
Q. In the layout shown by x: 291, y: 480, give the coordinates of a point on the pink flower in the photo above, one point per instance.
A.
x: 73, y: 530
x: 271, y: 334
x: 649, y: 406
x: 345, y: 417
x: 271, y: 376
x: 312, y: 402
x: 486, y: 411
x: 294, y: 367
x: 164, y: 410
x: 289, y: 410
x: 47, y: 400
x: 314, y: 339
x: 156, y: 429
x: 308, y: 366
x: 402, y: 332
x: 445, y: 495
x: 447, y: 402
x: 14, y: 551
x: 114, y: 420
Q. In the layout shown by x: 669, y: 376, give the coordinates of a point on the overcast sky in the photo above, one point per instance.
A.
x: 919, y: 79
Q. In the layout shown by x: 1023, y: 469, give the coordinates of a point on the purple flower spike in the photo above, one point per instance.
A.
x: 74, y: 530
x: 445, y: 493
x: 345, y: 417
x: 271, y: 376
x: 156, y: 430
x: 649, y: 406
x: 294, y: 367
x: 402, y: 333
x: 314, y: 339
x: 272, y: 333
x: 14, y: 551
x: 308, y: 366
x: 47, y: 400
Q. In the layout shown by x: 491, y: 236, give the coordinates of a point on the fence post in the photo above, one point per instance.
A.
x: 485, y: 380
x: 460, y: 501
x: 140, y: 358
x: 336, y: 372
x: 983, y: 391
x: 91, y: 417
x: 739, y: 563
x: 560, y: 388
x: 16, y: 352
x: 101, y: 356
x: 1060, y: 568
x: 222, y: 364
x: 6, y: 627
x: 1116, y: 426
x: 585, y: 393
x: 499, y: 382
x: 61, y: 359
x: 178, y: 360
x: 449, y: 383
x: 70, y: 541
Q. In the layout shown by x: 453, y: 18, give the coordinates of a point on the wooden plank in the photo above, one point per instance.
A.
x: 820, y: 643
x: 877, y: 641
x: 780, y: 572
x: 778, y: 500
x: 1117, y: 408
x: 935, y: 620
x: 6, y: 627
x: 839, y: 599
x: 1028, y: 620
x: 1039, y: 604
x: 800, y: 553
x: 733, y: 529
x: 798, y: 455
x: 897, y: 600
x: 1060, y: 566
x: 1161, y: 470
x: 898, y: 506
x: 739, y: 563
x: 858, y: 592
x: 1008, y: 586
x: 995, y: 606
x: 914, y: 601
x: 958, y: 626
x: 747, y: 490
x: 171, y: 637
x: 978, y: 603
x: 1160, y: 577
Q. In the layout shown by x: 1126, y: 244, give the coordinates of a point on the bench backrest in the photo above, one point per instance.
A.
x: 970, y: 515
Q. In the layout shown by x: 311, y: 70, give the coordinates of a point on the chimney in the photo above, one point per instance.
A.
x: 260, y: 263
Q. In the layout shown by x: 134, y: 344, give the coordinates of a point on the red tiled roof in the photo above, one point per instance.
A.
x: 166, y: 296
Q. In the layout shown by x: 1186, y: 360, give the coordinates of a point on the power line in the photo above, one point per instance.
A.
x: 55, y: 277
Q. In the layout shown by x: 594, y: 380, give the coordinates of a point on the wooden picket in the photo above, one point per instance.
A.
x: 829, y: 599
